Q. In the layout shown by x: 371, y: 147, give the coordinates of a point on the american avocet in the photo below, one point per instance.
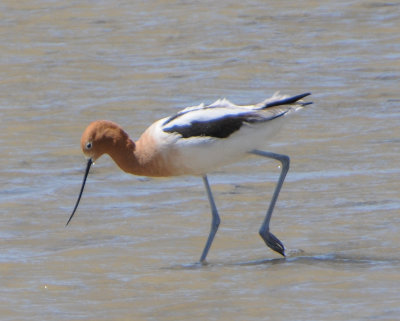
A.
x: 196, y: 141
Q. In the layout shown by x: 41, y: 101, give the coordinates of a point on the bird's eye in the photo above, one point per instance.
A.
x: 89, y: 145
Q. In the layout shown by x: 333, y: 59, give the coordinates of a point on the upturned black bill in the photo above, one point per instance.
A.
x: 89, y: 163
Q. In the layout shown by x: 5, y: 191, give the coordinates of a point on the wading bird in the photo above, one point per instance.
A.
x: 196, y: 141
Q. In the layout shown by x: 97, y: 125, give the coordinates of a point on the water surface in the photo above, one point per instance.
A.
x: 131, y: 250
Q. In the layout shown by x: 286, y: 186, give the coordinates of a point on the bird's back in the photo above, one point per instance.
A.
x: 202, y: 138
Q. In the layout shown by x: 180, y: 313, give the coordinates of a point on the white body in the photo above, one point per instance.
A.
x: 199, y: 155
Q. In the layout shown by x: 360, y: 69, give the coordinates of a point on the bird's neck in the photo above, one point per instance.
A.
x: 139, y: 158
x: 123, y: 154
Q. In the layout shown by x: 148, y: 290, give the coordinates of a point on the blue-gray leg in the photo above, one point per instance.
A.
x: 214, y: 222
x: 271, y: 240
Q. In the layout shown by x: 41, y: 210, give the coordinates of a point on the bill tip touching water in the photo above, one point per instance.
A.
x: 195, y: 141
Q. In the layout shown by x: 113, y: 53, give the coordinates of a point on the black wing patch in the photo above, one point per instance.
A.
x: 225, y: 126
x: 219, y: 128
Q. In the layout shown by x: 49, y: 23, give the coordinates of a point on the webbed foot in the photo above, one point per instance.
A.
x: 273, y: 242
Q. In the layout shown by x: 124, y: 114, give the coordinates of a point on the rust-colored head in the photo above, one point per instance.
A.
x: 99, y: 137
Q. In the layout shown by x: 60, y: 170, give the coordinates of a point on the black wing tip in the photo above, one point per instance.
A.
x: 290, y: 100
x: 303, y: 95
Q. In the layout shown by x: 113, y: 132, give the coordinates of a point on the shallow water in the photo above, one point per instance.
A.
x: 131, y: 250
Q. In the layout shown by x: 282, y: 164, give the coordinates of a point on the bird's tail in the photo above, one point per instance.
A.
x: 278, y: 100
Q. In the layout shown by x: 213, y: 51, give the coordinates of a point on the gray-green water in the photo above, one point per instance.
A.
x: 129, y: 253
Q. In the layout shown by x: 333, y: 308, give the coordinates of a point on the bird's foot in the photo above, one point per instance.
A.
x: 273, y: 243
